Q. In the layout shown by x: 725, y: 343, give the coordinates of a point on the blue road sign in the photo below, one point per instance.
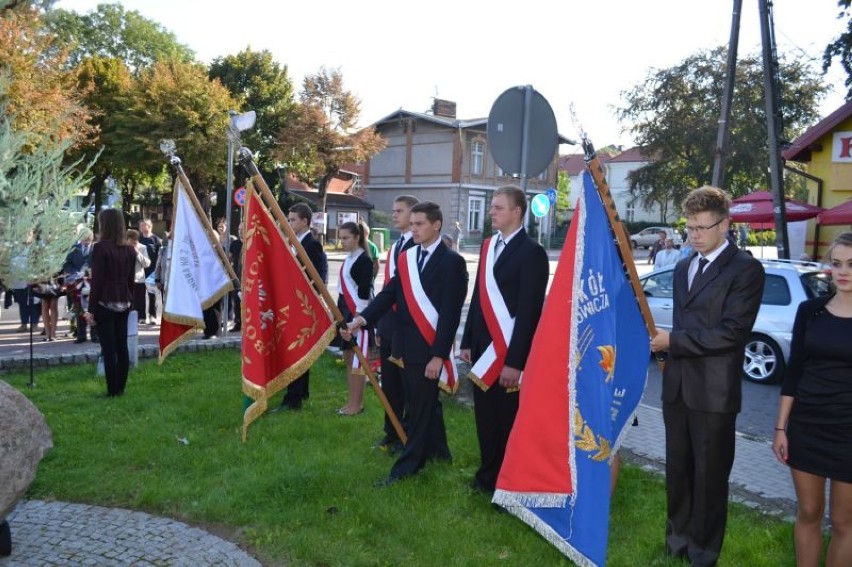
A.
x: 540, y: 205
x: 551, y: 195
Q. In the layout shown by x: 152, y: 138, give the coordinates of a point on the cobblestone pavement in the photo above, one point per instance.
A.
x: 56, y: 533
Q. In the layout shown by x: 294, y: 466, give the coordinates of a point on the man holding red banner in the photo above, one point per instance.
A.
x: 510, y: 285
x: 391, y: 372
x: 428, y: 289
x: 299, y: 218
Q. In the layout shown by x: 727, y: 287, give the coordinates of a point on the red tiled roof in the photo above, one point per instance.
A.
x: 340, y: 183
x: 635, y: 154
x: 800, y: 149
x: 574, y: 164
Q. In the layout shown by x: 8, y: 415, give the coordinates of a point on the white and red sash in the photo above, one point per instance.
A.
x: 424, y: 314
x: 486, y: 370
x: 349, y: 290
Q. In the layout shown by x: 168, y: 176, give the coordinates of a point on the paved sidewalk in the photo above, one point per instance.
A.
x: 757, y: 478
x: 60, y: 534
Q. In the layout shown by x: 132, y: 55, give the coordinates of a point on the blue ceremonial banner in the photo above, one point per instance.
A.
x: 556, y: 472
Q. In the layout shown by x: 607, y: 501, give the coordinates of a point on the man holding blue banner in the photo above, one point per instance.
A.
x: 717, y: 295
x: 510, y: 285
x: 582, y: 382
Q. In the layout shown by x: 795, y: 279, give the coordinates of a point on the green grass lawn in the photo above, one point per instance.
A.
x: 300, y: 490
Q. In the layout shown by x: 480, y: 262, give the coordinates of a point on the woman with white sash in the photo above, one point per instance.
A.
x: 355, y: 290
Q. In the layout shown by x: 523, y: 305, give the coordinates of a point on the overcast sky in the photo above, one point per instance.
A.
x: 402, y: 54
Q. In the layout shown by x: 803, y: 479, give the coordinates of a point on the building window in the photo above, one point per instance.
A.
x: 475, y: 208
x: 629, y: 213
x: 477, y: 157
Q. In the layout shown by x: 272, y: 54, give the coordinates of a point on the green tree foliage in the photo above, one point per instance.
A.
x: 841, y: 47
x: 176, y: 100
x: 260, y: 84
x: 675, y: 112
x: 322, y: 138
x: 112, y: 32
x: 563, y: 192
x: 35, y: 232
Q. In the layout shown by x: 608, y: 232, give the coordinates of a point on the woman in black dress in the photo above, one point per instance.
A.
x: 813, y: 432
x: 354, y: 287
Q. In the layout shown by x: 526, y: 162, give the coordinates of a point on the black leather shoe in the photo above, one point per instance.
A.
x: 287, y: 406
x: 78, y: 341
x: 387, y: 481
x: 477, y: 486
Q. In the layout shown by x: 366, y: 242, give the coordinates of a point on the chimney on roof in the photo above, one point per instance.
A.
x: 445, y: 108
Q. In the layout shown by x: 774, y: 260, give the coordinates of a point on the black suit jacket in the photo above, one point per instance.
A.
x: 314, y: 250
x: 521, y: 273
x: 711, y: 325
x: 387, y: 324
x: 444, y: 280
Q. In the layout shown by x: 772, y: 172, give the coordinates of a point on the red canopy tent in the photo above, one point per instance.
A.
x: 757, y: 207
x: 841, y: 214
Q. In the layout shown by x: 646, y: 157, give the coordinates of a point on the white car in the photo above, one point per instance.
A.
x: 787, y: 284
x: 647, y: 237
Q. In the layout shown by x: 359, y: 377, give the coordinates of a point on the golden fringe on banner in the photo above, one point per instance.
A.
x: 262, y: 395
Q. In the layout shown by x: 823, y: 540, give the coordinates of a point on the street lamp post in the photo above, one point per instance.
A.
x: 238, y: 123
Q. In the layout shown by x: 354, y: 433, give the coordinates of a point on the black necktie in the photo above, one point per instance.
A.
x: 398, y: 248
x: 702, y: 263
x: 422, y: 259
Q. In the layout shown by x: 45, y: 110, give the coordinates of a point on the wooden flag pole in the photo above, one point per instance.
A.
x: 199, y: 211
x: 594, y: 165
x: 247, y: 162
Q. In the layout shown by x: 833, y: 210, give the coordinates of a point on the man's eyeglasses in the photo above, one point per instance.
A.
x: 703, y: 229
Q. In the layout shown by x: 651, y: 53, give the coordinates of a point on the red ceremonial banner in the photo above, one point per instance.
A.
x: 286, y: 325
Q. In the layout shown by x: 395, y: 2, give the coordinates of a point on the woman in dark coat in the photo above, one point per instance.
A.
x: 111, y: 296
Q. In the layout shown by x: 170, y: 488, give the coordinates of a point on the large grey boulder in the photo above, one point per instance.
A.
x: 24, y: 440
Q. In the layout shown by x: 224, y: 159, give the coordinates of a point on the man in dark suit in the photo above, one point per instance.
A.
x: 428, y: 289
x: 518, y: 266
x: 717, y: 294
x: 391, y: 372
x: 299, y: 218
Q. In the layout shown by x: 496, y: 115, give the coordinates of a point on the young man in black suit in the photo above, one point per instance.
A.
x: 513, y: 271
x: 717, y: 294
x: 428, y: 289
x: 391, y: 372
x: 299, y: 218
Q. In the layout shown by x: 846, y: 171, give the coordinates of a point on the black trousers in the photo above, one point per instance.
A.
x: 494, y: 411
x: 393, y: 389
x: 212, y: 319
x: 112, y: 330
x: 427, y: 436
x: 139, y: 300
x: 699, y: 457
x: 152, y: 305
x: 298, y: 390
x: 238, y: 305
